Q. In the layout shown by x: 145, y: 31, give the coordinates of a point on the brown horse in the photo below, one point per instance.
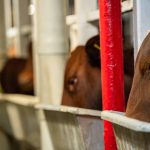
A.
x: 139, y: 100
x: 17, y: 75
x: 82, y: 83
x: 25, y: 78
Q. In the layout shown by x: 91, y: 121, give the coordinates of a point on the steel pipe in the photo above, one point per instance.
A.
x: 111, y: 63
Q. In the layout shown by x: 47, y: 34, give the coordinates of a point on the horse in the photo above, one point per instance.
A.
x: 25, y: 78
x: 82, y: 81
x: 138, y: 106
x: 14, y: 77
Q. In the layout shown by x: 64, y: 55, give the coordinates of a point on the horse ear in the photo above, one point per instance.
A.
x: 92, y: 48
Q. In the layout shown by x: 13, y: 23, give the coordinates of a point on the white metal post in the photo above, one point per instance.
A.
x: 81, y: 30
x: 22, y: 23
x: 141, y: 13
x: 85, y: 29
x: 8, y: 23
x: 2, y: 32
x: 50, y: 49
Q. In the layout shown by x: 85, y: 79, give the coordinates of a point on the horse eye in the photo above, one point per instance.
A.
x: 145, y: 67
x: 72, y: 81
x: 148, y: 69
x: 72, y: 84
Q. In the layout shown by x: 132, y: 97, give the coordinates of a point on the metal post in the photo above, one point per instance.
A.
x: 21, y: 22
x: 50, y: 50
x: 2, y: 32
x: 112, y: 63
x: 82, y: 30
x: 50, y: 44
x: 141, y: 20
